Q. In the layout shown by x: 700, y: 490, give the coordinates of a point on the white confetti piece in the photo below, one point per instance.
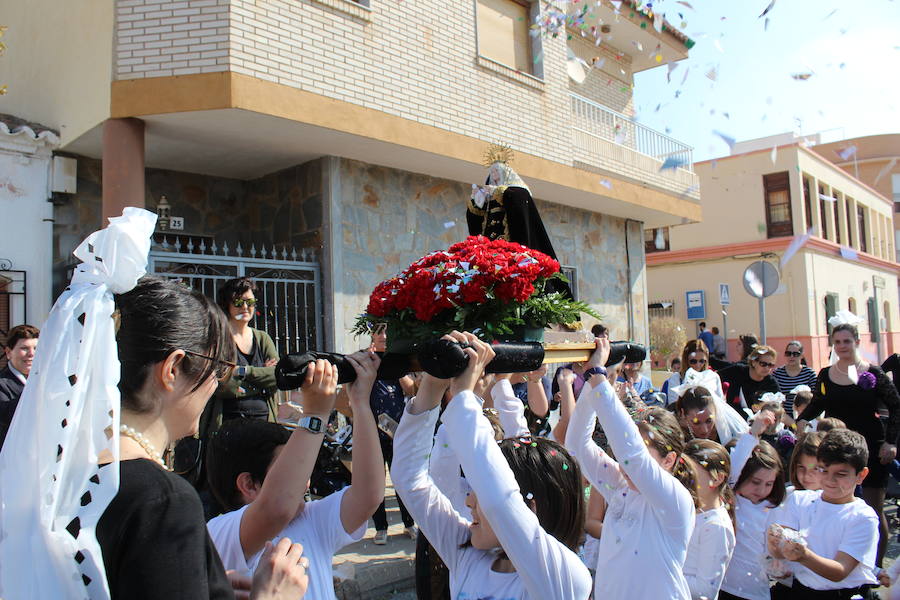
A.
x: 449, y: 224
x: 846, y: 153
x: 795, y: 245
x: 606, y: 183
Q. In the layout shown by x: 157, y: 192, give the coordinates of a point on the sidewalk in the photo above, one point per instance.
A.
x: 378, y: 572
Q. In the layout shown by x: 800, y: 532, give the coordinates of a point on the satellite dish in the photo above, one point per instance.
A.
x: 761, y: 279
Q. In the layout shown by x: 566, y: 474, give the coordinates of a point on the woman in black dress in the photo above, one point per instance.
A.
x: 174, y: 349
x: 869, y: 405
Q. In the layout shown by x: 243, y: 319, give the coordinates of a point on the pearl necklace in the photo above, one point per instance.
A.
x: 149, y: 448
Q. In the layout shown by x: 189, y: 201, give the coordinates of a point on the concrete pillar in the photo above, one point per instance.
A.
x: 123, y: 166
x: 814, y: 206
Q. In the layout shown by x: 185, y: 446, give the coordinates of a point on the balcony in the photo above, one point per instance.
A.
x: 606, y: 141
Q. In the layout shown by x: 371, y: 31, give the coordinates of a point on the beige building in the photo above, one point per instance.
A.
x: 755, y: 204
x: 874, y: 159
x: 298, y: 139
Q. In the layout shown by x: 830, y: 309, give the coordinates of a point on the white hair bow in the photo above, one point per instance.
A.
x: 801, y: 388
x: 693, y: 379
x: 773, y: 397
x: 844, y: 317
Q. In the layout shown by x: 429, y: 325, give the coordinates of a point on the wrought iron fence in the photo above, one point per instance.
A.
x: 289, y: 305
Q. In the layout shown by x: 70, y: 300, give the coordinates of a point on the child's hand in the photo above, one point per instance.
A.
x: 565, y: 377
x: 431, y: 392
x: 318, y: 389
x: 884, y: 580
x: 793, y: 551
x: 538, y: 373
x: 763, y: 421
x: 281, y: 573
x: 479, y: 353
x: 365, y: 363
x: 601, y: 354
x: 773, y: 542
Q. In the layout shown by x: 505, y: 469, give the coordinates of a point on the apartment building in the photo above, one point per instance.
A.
x: 756, y: 202
x: 321, y: 145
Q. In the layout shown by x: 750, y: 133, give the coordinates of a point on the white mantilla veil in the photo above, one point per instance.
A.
x: 729, y: 424
x: 53, y: 485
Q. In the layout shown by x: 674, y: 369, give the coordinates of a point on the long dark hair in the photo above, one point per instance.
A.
x: 765, y: 457
x: 548, y: 476
x: 158, y: 317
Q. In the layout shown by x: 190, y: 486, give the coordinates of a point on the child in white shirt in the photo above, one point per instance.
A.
x: 649, y: 491
x: 526, y: 502
x: 840, y: 530
x: 260, y: 474
x: 757, y: 477
x: 712, y: 542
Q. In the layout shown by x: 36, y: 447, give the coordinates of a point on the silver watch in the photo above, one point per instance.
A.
x: 311, y: 424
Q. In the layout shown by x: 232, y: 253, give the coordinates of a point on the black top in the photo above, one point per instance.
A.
x: 738, y: 378
x: 251, y: 406
x: 874, y: 413
x: 892, y: 366
x: 154, y: 539
x: 387, y: 398
x: 10, y: 390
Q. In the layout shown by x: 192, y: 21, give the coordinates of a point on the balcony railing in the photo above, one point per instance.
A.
x: 598, y: 121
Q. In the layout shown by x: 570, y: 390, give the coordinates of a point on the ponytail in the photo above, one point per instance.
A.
x: 714, y: 459
x: 684, y: 472
x: 665, y: 435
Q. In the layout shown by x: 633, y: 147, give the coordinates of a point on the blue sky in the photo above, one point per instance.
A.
x: 851, y: 49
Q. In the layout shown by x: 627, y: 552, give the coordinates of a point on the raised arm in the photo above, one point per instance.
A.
x: 742, y: 451
x: 548, y: 569
x: 599, y: 468
x: 510, y: 409
x: 365, y: 494
x: 281, y: 495
x: 537, y: 395
x: 434, y: 514
x: 566, y: 379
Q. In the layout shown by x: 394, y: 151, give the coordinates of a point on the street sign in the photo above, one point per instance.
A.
x: 696, y: 304
x: 724, y: 294
x: 761, y: 279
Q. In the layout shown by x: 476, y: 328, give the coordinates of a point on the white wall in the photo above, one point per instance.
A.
x: 26, y: 224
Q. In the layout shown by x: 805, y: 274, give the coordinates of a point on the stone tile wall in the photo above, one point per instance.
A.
x: 396, y: 217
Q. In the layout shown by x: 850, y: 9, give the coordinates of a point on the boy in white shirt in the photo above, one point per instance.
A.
x: 840, y: 530
x: 260, y: 472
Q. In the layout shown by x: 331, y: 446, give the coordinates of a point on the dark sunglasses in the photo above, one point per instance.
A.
x: 792, y: 353
x: 695, y: 361
x: 767, y: 365
x: 224, y: 368
x: 248, y: 302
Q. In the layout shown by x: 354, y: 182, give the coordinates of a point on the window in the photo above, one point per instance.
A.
x: 837, y: 217
x: 851, y: 305
x: 831, y: 304
x: 823, y: 215
x: 807, y: 204
x: 778, y: 205
x: 849, y: 216
x: 895, y: 189
x: 861, y: 220
x: 571, y: 273
x: 887, y: 316
x: 504, y: 33
x: 656, y: 240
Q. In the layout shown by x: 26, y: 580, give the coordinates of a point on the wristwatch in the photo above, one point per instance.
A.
x: 311, y: 424
x: 594, y: 371
x: 241, y: 371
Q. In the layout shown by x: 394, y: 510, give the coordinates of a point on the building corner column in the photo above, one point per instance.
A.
x: 123, y: 166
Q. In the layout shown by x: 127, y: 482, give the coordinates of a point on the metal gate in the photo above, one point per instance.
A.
x: 289, y: 305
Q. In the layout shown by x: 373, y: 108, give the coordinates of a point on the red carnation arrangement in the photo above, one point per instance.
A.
x: 492, y: 286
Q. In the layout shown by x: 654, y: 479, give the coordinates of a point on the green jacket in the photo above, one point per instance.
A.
x: 256, y: 381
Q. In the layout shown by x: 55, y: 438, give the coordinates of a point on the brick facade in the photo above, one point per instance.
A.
x: 416, y: 60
